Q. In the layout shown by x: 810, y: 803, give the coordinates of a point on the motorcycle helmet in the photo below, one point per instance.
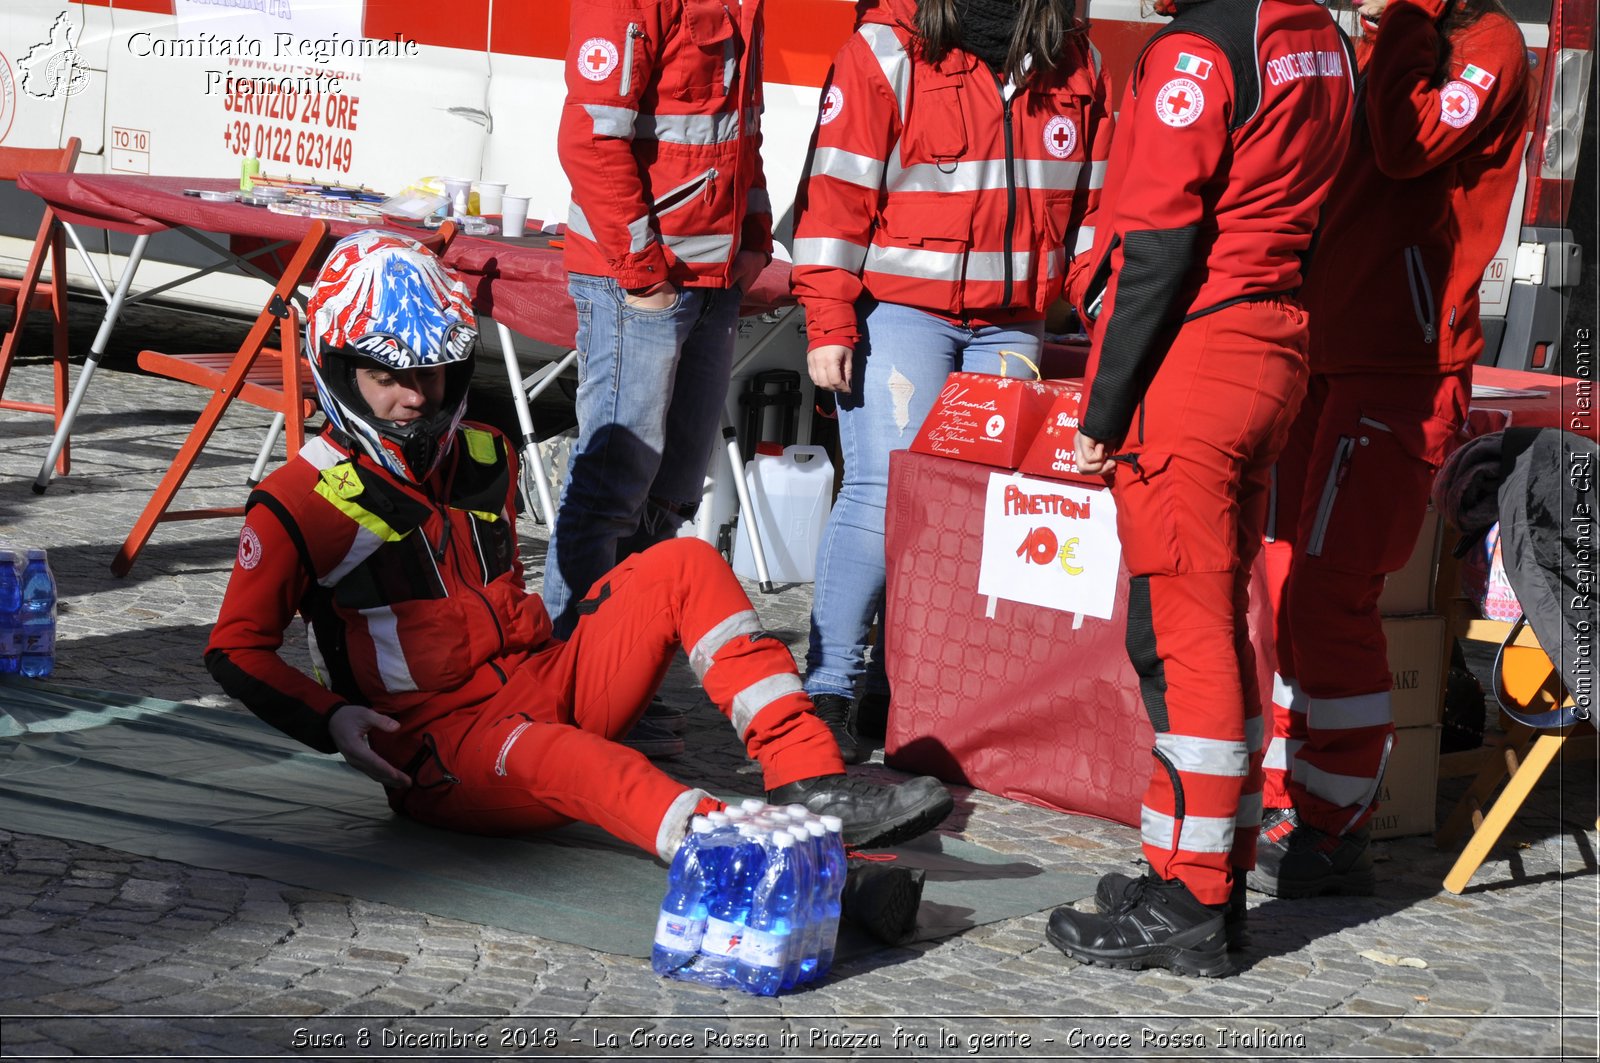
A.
x: 382, y: 300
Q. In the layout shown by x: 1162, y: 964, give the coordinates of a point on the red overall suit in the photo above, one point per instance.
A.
x: 1414, y: 217
x: 1228, y: 138
x: 415, y: 607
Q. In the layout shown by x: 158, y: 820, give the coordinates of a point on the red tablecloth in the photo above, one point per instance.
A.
x: 521, y: 283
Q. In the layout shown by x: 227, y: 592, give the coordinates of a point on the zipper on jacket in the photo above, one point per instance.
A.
x: 1011, y: 182
x: 1330, y: 492
x: 634, y: 31
x: 685, y: 192
x: 1421, y: 293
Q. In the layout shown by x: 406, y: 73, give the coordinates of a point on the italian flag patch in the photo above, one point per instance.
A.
x: 1201, y: 68
x: 1477, y: 75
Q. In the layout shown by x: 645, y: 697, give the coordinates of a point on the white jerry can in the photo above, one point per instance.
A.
x: 790, y: 495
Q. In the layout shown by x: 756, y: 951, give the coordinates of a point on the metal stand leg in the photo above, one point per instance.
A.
x: 532, y: 460
x: 736, y: 463
x: 113, y: 309
x: 259, y: 469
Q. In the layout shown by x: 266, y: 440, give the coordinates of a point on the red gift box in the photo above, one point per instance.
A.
x: 1007, y: 697
x: 986, y: 419
x: 1052, y: 453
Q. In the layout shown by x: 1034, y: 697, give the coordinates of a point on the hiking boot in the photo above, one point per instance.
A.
x: 882, y: 899
x: 1158, y: 923
x: 872, y: 716
x: 834, y: 710
x: 1307, y: 862
x: 1113, y: 891
x: 874, y: 815
x: 655, y: 740
x: 673, y: 717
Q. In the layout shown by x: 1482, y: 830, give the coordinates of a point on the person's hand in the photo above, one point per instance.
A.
x: 349, y: 725
x: 1371, y: 10
x: 1093, y: 457
x: 829, y: 366
x: 747, y: 266
x: 659, y: 299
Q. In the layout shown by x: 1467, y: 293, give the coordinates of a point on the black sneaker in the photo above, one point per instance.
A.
x: 872, y: 716
x: 1307, y: 862
x: 673, y: 717
x: 654, y: 740
x: 834, y: 710
x: 1114, y: 890
x: 874, y: 815
x: 1158, y: 923
x: 882, y: 899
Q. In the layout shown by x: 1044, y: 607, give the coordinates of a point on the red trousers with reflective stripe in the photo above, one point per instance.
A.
x: 1190, y: 516
x: 1352, y: 490
x: 542, y: 752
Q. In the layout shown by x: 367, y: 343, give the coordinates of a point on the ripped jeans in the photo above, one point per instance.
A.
x: 900, y: 366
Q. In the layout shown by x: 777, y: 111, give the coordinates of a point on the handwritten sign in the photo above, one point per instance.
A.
x: 1050, y: 544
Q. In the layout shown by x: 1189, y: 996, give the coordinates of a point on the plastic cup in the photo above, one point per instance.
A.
x: 513, y: 215
x: 489, y: 196
x: 459, y: 193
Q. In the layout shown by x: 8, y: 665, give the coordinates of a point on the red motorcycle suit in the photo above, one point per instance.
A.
x: 1227, y: 140
x: 937, y: 186
x: 661, y: 132
x: 1413, y: 220
x: 415, y: 607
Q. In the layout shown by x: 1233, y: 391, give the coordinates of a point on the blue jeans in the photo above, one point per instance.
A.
x: 651, y: 388
x: 900, y: 366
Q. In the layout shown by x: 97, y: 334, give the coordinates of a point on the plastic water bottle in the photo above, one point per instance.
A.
x: 803, y: 933
x: 825, y: 909
x: 729, y: 912
x: 764, y: 948
x: 834, y: 865
x: 10, y: 615
x: 38, y: 616
x: 682, y: 922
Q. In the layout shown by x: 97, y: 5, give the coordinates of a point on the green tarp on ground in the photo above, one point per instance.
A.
x: 217, y: 788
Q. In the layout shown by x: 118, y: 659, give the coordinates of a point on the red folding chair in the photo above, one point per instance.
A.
x: 31, y: 292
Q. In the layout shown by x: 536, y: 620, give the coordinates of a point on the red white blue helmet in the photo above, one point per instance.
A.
x: 384, y: 300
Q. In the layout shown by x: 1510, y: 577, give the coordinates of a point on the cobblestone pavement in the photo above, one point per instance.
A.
x: 110, y: 955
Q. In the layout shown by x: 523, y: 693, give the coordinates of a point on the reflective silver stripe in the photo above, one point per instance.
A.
x: 1085, y: 241
x: 640, y: 233
x: 891, y: 56
x: 1097, y: 174
x: 758, y: 202
x: 361, y: 548
x: 1249, y: 815
x: 1287, y: 694
x: 700, y: 248
x: 612, y: 121
x: 848, y: 166
x: 982, y: 175
x: 1056, y: 262
x: 1094, y: 57
x: 1281, y: 753
x: 384, y: 630
x: 675, y: 824
x: 749, y: 702
x: 505, y: 748
x: 745, y: 622
x: 1201, y: 834
x: 991, y: 265
x: 698, y: 129
x: 730, y: 62
x: 827, y: 251
x: 1254, y: 731
x: 320, y: 453
x: 914, y: 263
x: 1358, y: 710
x: 1341, y: 790
x: 1204, y: 756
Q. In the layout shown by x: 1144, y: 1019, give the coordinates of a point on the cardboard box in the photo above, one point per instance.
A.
x: 1417, y: 661
x: 986, y: 419
x: 1410, y: 790
x: 1410, y: 590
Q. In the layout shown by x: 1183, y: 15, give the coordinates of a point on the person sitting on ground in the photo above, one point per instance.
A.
x: 392, y: 534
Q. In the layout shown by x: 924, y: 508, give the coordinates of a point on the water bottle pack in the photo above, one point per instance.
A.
x: 752, y: 900
x: 27, y: 614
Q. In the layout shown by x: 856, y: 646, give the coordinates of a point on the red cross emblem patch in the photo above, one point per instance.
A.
x: 1458, y: 104
x: 597, y: 58
x: 249, y: 548
x: 832, y: 104
x: 1179, y: 102
x: 1060, y: 136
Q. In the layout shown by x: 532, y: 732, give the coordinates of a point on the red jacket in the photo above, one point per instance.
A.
x: 1421, y: 202
x: 414, y: 606
x: 925, y: 187
x: 1214, y: 188
x: 661, y: 140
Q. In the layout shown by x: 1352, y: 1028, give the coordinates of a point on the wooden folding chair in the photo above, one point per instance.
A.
x: 31, y: 292
x: 1540, y: 711
x: 276, y: 379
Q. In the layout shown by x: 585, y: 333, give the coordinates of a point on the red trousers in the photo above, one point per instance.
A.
x: 1190, y: 515
x: 542, y: 752
x: 1352, y: 489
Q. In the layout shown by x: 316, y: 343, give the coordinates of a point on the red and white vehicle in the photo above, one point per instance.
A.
x: 388, y: 91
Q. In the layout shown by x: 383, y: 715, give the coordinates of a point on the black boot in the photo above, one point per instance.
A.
x: 1307, y: 862
x: 1159, y: 923
x: 882, y: 899
x: 873, y: 814
x: 1113, y: 891
x: 872, y: 716
x: 834, y: 710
